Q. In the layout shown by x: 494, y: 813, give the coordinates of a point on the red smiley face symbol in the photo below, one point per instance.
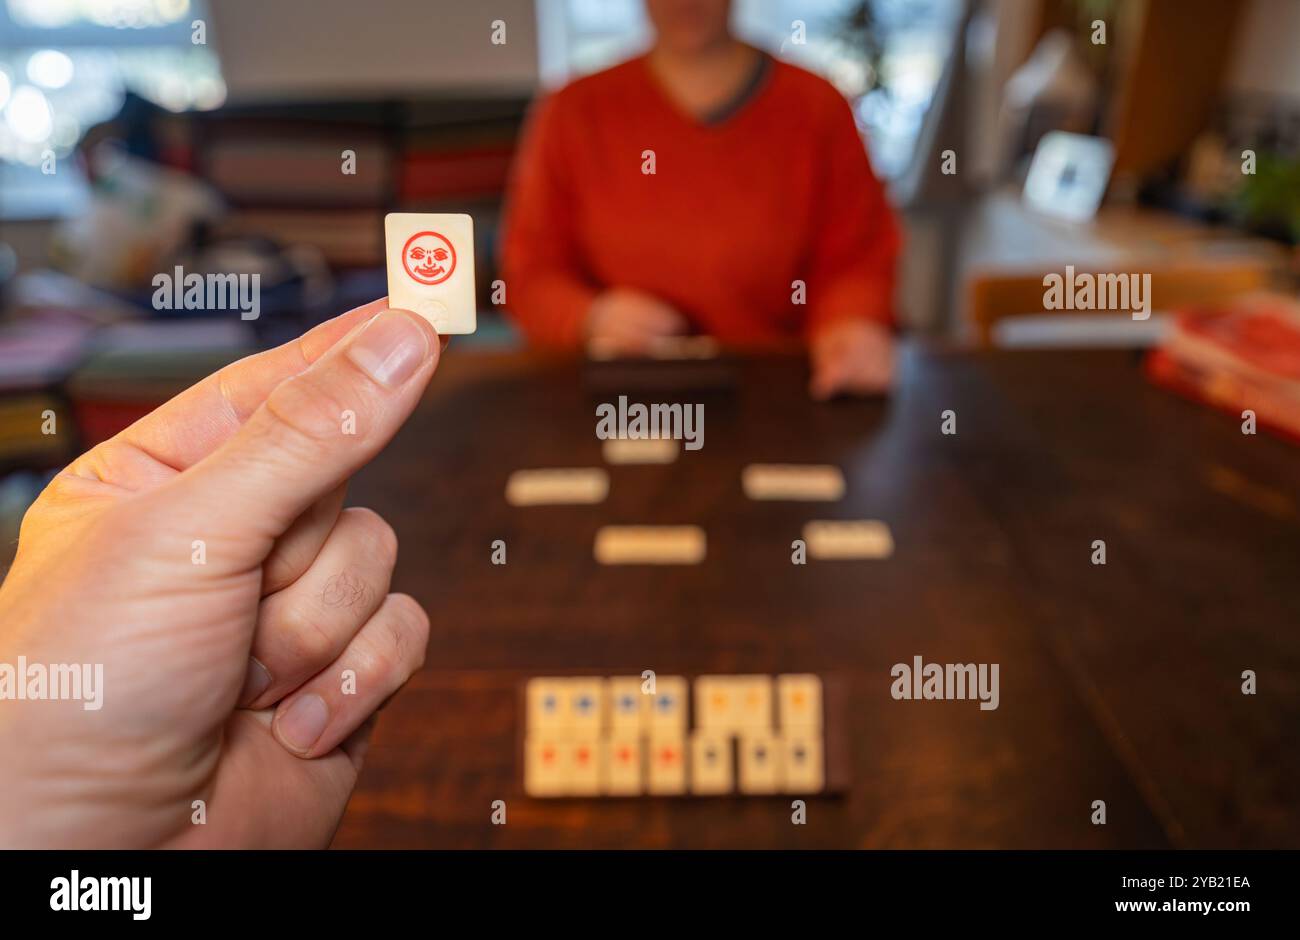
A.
x: 428, y: 258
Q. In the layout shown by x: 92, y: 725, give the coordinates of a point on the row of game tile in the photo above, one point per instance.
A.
x: 578, y: 485
x: 728, y: 704
x: 666, y: 763
x: 823, y: 539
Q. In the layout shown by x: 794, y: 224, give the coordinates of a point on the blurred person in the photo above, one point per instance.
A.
x: 203, y: 560
x: 703, y: 187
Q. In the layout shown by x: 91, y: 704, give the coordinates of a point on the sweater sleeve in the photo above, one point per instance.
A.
x: 548, y: 292
x: 857, y: 241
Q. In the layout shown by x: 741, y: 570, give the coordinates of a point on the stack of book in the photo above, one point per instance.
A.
x: 317, y: 179
x: 456, y: 153
x: 324, y: 174
x: 35, y: 356
x: 1243, y: 356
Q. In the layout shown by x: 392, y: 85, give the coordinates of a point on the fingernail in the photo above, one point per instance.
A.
x: 256, y: 681
x: 303, y: 722
x: 390, y: 348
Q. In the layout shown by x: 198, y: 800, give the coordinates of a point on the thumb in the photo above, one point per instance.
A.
x: 313, y: 431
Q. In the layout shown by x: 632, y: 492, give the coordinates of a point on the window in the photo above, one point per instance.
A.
x: 892, y: 92
x: 583, y: 36
x: 65, y: 66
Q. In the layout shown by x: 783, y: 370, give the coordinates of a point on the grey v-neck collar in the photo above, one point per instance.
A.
x: 744, y: 96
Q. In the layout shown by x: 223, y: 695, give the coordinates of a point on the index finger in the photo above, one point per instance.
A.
x: 192, y: 425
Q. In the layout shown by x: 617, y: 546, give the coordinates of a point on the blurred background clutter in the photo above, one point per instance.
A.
x: 242, y: 136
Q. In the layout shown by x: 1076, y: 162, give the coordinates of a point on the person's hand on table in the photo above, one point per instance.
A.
x: 624, y: 321
x: 853, y: 357
x: 203, y: 558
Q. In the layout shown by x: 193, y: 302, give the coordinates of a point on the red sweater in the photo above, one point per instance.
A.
x: 780, y: 191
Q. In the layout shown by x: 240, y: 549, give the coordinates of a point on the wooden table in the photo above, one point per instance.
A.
x: 1118, y: 683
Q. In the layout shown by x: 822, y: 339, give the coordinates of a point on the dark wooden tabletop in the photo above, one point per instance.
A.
x: 1119, y: 683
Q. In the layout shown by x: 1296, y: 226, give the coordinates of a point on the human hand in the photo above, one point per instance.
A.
x: 623, y: 321
x: 203, y: 540
x: 854, y: 357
